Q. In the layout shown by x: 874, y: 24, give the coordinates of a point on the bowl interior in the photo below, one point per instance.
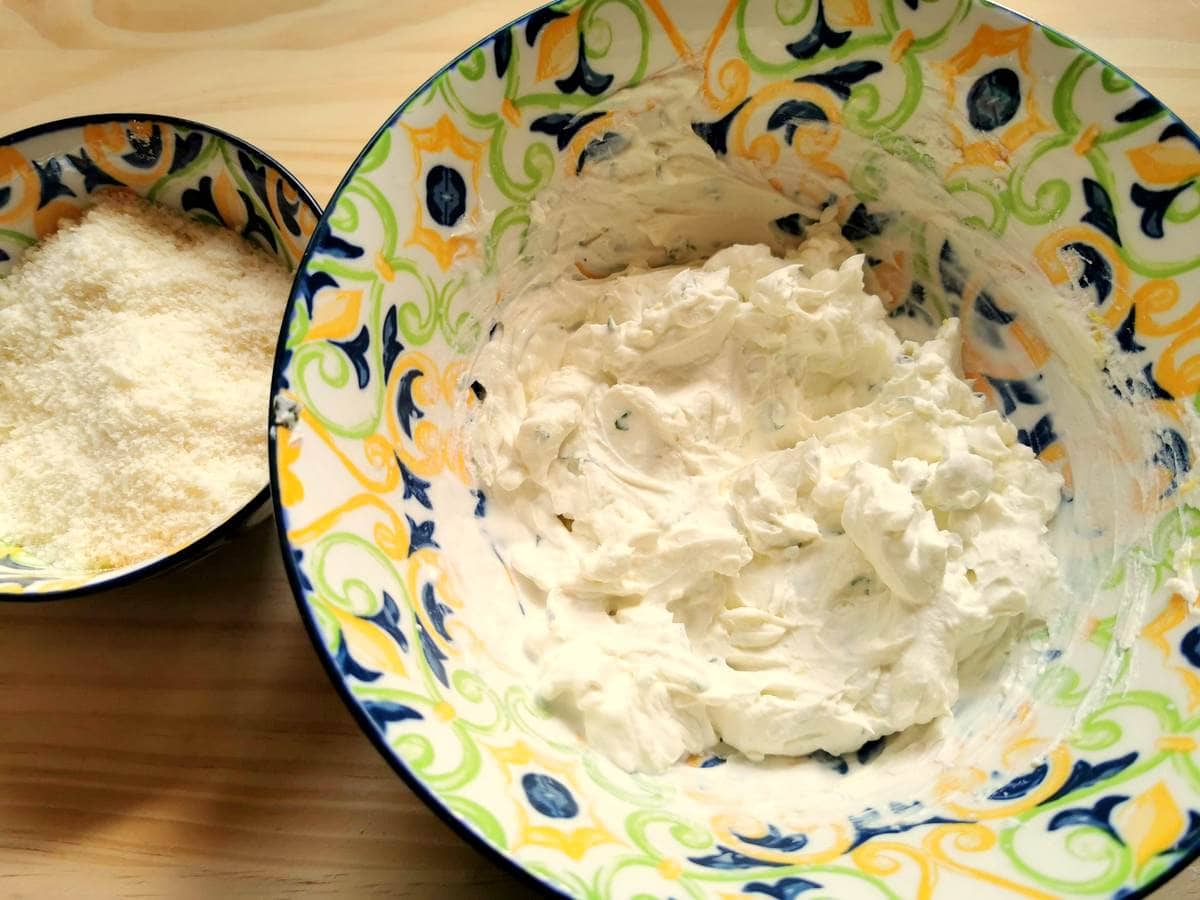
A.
x: 53, y: 172
x: 990, y: 169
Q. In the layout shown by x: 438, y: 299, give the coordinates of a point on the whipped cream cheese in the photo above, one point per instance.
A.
x: 748, y: 513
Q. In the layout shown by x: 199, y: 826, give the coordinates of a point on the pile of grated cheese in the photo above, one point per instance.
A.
x: 135, y: 359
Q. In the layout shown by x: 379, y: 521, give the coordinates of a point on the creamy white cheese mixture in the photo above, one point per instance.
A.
x: 749, y: 512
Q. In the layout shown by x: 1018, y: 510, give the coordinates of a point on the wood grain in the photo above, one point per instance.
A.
x: 179, y: 738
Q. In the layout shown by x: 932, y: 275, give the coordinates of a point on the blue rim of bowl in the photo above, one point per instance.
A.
x: 229, y: 526
x: 504, y: 860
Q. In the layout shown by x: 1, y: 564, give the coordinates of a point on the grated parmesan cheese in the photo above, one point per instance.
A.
x: 135, y: 357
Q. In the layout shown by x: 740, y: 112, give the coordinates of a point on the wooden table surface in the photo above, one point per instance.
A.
x: 180, y: 737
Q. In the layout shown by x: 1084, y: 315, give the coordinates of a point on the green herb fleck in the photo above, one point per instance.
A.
x: 860, y: 583
x: 621, y: 422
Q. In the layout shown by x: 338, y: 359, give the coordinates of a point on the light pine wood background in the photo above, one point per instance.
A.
x: 179, y: 737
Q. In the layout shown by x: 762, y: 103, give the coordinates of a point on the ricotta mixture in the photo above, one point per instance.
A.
x: 747, y: 512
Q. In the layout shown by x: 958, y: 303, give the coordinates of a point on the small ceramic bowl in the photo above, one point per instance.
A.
x: 52, y: 172
x: 943, y: 133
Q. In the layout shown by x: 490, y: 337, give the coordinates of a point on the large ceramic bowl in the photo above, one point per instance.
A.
x: 53, y: 171
x: 991, y: 169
